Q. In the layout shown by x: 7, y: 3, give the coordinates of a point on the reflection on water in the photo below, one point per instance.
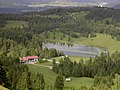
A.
x: 75, y: 50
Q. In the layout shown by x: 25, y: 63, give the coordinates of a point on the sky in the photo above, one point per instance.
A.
x: 27, y: 2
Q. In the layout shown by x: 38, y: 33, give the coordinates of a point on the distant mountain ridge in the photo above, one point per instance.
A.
x: 27, y: 2
x: 18, y: 6
x: 117, y: 6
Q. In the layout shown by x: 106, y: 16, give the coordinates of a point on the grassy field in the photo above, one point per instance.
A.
x: 16, y: 24
x: 102, y: 41
x: 3, y: 88
x: 48, y: 74
x: 46, y: 63
x: 50, y: 77
x: 1, y: 52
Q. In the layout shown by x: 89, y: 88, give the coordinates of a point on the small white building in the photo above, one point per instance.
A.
x: 68, y: 79
x: 50, y: 68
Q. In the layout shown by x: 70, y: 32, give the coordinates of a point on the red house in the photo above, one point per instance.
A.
x: 29, y: 59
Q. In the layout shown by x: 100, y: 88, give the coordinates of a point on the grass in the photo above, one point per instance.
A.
x: 78, y: 82
x: 46, y: 63
x: 16, y: 24
x: 50, y: 77
x: 3, y: 88
x: 1, y: 52
x: 103, y: 41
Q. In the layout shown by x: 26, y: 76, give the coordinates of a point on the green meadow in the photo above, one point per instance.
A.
x: 3, y: 88
x: 50, y: 77
x: 102, y: 41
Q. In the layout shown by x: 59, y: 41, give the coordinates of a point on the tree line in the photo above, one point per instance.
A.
x: 16, y: 76
x: 95, y: 20
x: 101, y: 65
x: 104, y: 69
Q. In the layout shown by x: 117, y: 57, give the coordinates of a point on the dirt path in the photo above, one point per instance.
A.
x: 43, y: 65
x: 52, y: 61
x: 50, y: 67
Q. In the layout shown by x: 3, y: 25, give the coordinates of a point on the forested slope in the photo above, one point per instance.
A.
x: 64, y: 25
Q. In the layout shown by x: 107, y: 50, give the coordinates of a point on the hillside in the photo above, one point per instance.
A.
x: 51, y: 76
x: 41, y: 50
x: 7, y: 3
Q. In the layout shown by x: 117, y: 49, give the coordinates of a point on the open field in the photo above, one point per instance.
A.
x: 102, y: 41
x: 48, y: 74
x: 50, y: 77
x: 16, y: 24
x: 1, y: 52
x: 46, y: 63
x: 3, y: 88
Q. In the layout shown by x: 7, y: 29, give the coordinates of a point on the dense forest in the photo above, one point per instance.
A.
x: 109, y: 66
x: 94, y: 20
x: 103, y: 69
x: 25, y: 40
x: 17, y: 77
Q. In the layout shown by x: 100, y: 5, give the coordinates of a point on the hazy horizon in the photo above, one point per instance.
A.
x: 28, y: 2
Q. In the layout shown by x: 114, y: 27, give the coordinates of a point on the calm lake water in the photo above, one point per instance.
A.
x: 75, y: 50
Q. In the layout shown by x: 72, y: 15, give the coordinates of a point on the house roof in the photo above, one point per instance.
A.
x: 29, y: 57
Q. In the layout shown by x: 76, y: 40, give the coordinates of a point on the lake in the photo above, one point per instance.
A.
x: 75, y: 50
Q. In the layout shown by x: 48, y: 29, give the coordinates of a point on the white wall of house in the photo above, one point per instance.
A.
x: 32, y: 61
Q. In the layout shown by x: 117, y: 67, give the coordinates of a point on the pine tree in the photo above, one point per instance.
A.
x: 3, y: 76
x: 22, y: 83
x: 116, y: 85
x: 28, y: 81
x: 39, y: 83
x: 59, y: 83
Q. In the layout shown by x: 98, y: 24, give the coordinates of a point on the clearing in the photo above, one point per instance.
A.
x: 50, y: 77
x: 3, y: 88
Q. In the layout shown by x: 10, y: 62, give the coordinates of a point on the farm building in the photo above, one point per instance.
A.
x: 68, y: 79
x: 29, y: 59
